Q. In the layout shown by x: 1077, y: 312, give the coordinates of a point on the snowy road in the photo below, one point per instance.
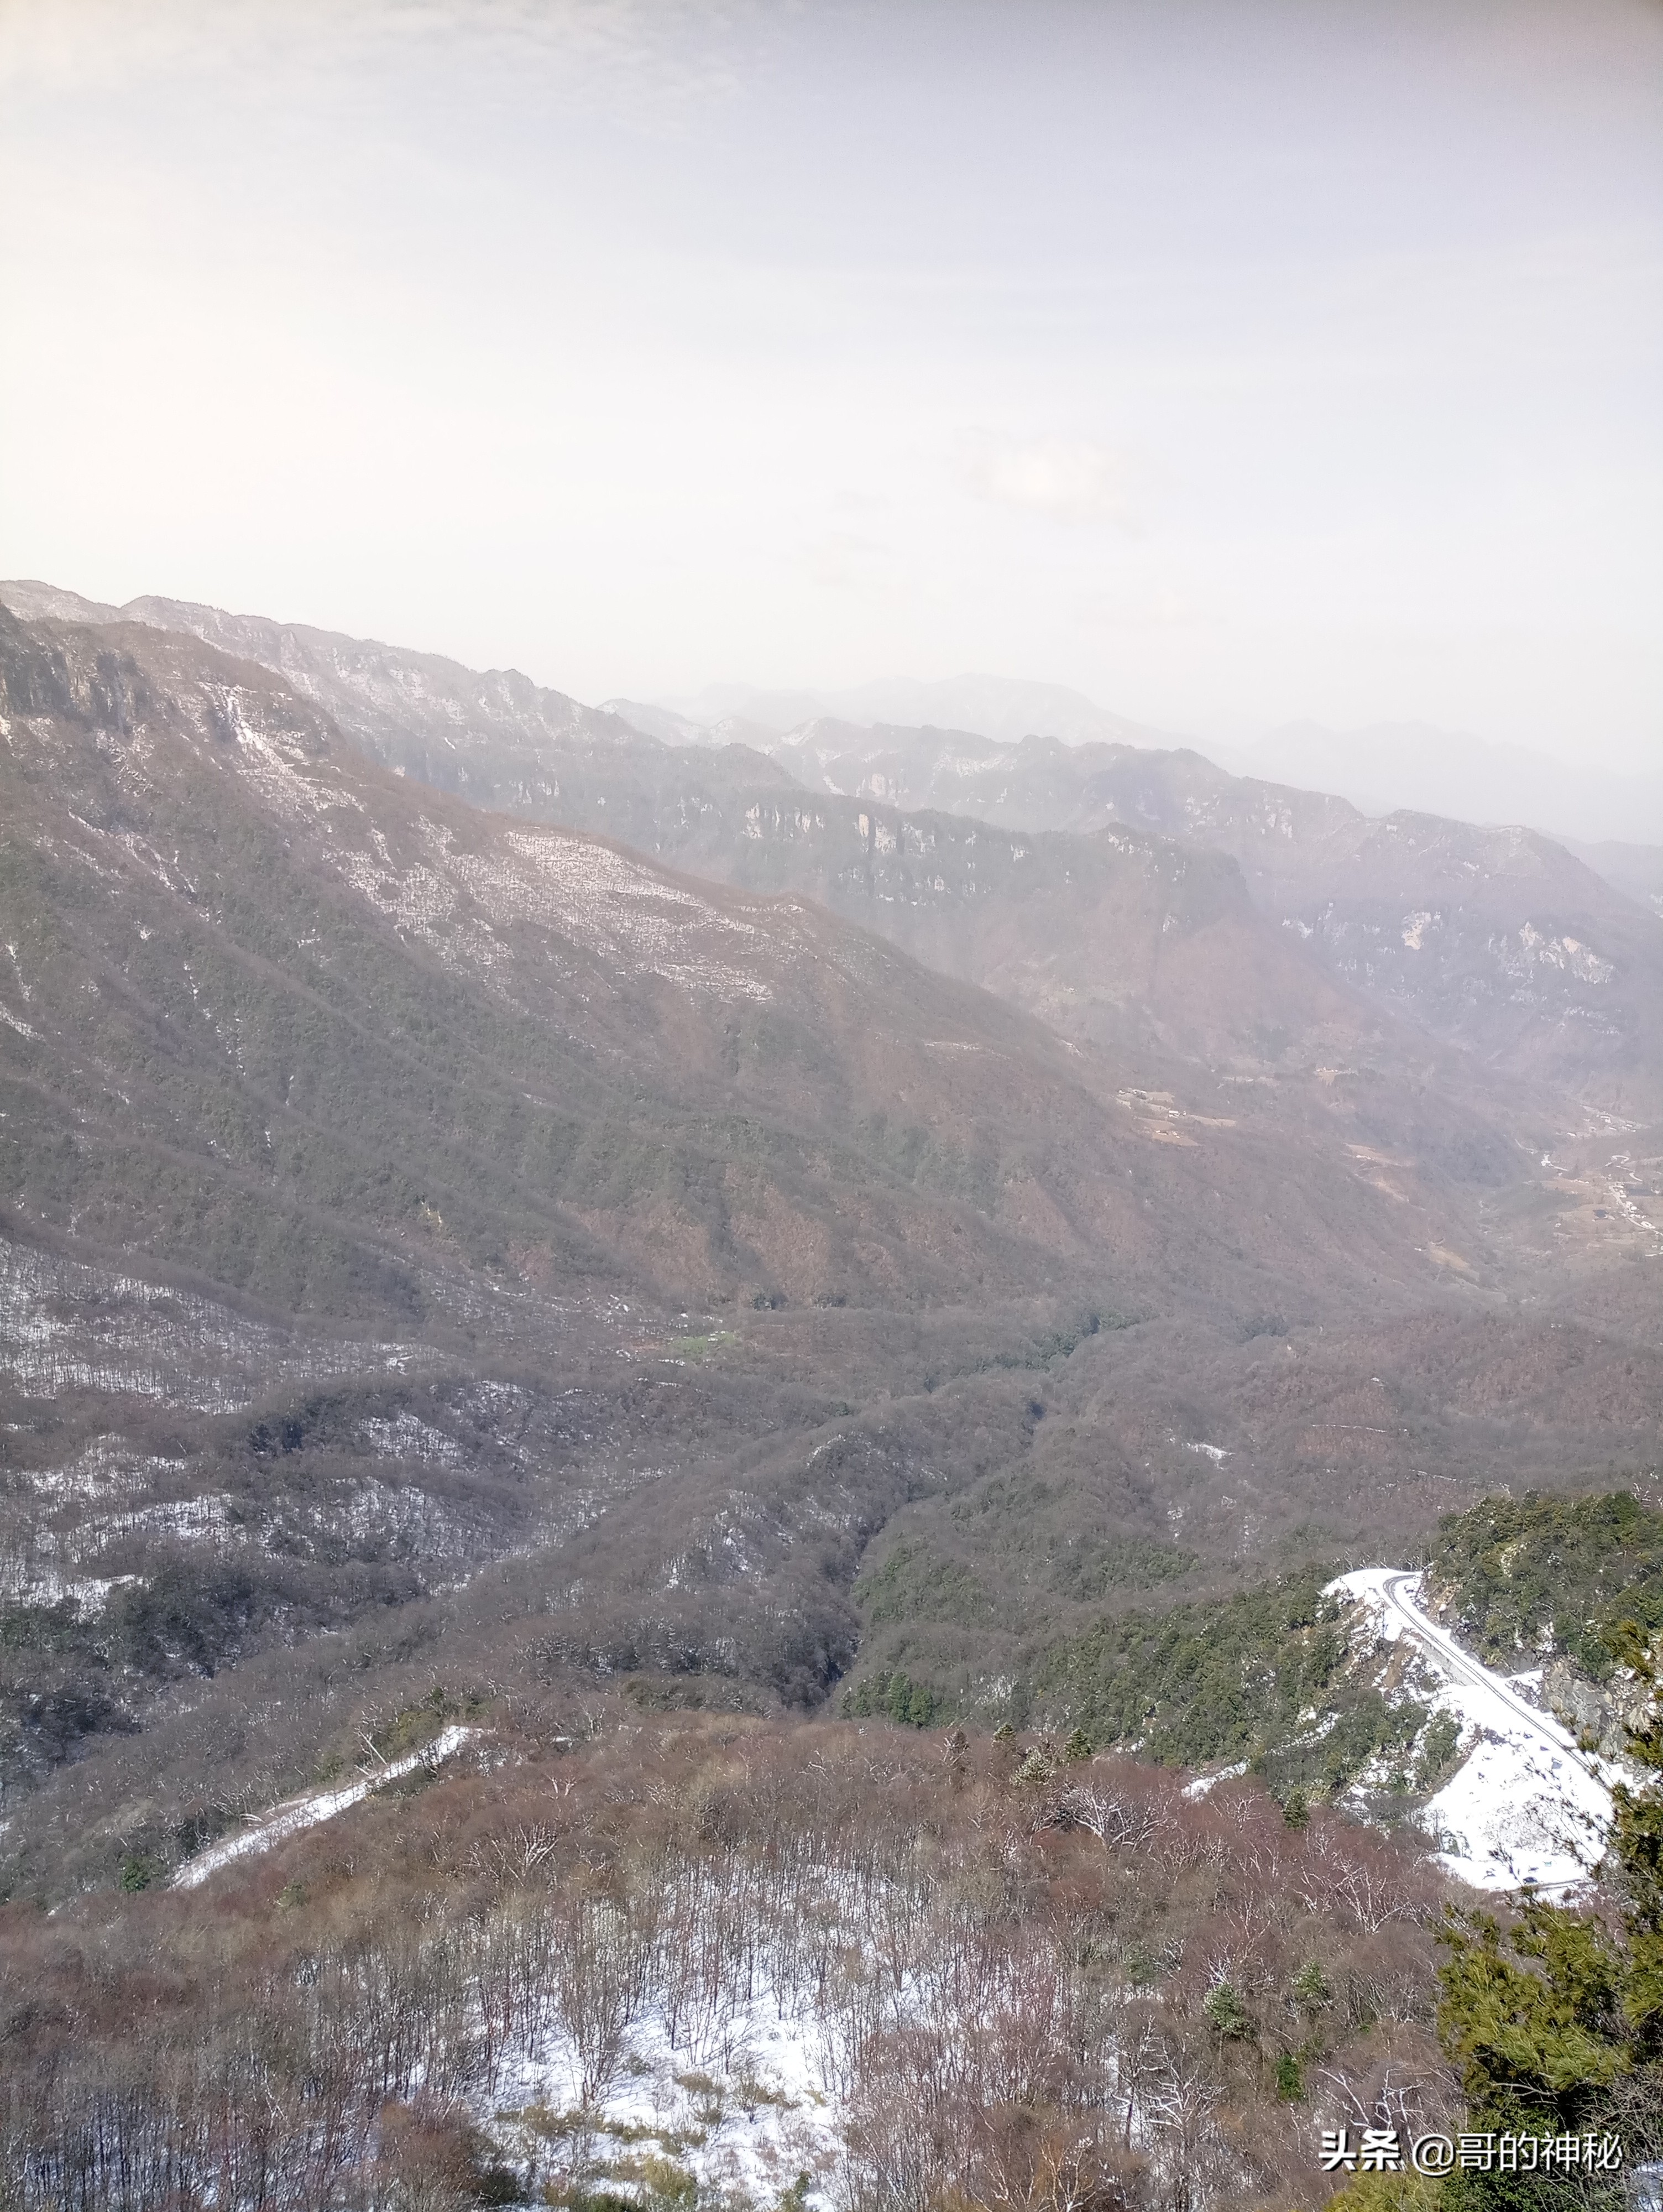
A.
x: 1400, y: 1593
x: 1526, y: 1808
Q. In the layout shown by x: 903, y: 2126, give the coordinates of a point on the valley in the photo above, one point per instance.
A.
x: 542, y: 1268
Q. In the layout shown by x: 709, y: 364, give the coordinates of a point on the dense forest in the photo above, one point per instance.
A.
x: 1562, y: 1574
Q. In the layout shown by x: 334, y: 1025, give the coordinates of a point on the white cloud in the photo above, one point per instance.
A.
x: 1073, y: 479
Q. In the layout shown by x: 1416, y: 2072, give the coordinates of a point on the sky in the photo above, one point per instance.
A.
x: 1236, y: 364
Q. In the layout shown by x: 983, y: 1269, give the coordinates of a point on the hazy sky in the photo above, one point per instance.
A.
x: 1233, y: 363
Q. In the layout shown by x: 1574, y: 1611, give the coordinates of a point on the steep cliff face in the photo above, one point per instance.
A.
x: 1498, y: 939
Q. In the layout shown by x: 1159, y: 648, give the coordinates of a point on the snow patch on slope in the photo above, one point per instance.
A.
x: 295, y: 1813
x: 744, y: 2109
x: 460, y: 903
x: 65, y: 1325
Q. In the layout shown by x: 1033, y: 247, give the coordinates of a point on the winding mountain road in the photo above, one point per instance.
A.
x: 1523, y: 1808
x: 1399, y: 1593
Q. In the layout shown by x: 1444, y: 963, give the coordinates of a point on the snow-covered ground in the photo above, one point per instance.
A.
x: 68, y: 1326
x: 295, y: 1813
x: 745, y: 2112
x: 1525, y: 1806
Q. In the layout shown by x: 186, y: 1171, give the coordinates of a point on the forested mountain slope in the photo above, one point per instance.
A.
x: 1122, y: 939
x: 734, y: 1963
x: 464, y: 1248
x: 322, y: 987
x: 392, y: 1188
x: 1123, y: 936
x: 418, y: 711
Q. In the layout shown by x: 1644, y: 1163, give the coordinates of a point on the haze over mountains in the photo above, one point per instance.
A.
x: 528, y: 1251
x: 998, y: 707
x: 1379, y: 768
x: 1390, y: 765
x: 865, y: 1446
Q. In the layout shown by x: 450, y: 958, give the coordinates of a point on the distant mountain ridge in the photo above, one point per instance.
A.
x: 1634, y: 870
x: 1497, y: 938
x: 1391, y: 767
x: 1125, y: 937
x: 1380, y: 768
x: 1004, y: 708
x: 1496, y: 941
x: 602, y: 982
x: 407, y: 708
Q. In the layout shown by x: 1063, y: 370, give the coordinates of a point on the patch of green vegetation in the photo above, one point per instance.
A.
x: 1310, y: 1988
x: 1438, y: 1747
x: 700, y: 1348
x: 1230, y: 1680
x: 419, y: 1724
x: 1092, y: 1570
x: 1365, y: 1724
x: 1523, y: 1569
x: 1144, y: 1968
x: 915, y: 1583
x: 894, y: 1696
x: 1223, y: 2007
x: 1056, y: 1344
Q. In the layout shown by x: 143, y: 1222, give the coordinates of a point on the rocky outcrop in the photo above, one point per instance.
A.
x: 1599, y: 1715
